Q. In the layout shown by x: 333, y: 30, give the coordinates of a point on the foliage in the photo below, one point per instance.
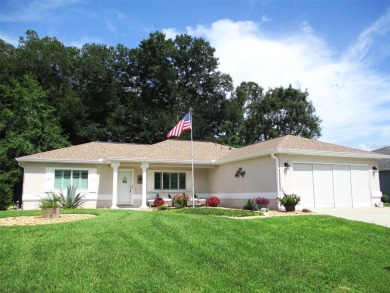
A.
x: 5, y: 195
x: 385, y: 198
x: 213, y: 201
x: 254, y: 115
x: 289, y: 200
x: 51, y: 201
x: 158, y: 202
x: 180, y: 200
x: 162, y: 207
x: 72, y: 199
x: 250, y: 204
x: 214, y: 254
x: 219, y: 212
x: 261, y: 202
x: 27, y: 126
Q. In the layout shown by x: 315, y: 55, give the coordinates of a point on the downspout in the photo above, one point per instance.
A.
x: 277, y: 176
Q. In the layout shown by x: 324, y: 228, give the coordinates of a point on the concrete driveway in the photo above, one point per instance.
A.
x: 378, y: 216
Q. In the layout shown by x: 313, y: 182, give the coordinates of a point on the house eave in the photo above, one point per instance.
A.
x: 303, y: 153
x: 159, y: 161
x: 67, y: 161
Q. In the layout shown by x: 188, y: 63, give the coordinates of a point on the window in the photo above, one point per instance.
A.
x: 63, y: 178
x: 169, y: 181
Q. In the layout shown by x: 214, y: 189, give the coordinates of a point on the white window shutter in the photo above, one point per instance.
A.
x: 188, y: 180
x: 49, y: 179
x: 150, y: 179
x: 92, y: 180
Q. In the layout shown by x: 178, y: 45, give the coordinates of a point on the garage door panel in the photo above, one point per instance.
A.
x: 324, y: 197
x: 342, y: 197
x: 361, y: 196
x: 328, y: 185
x: 342, y: 186
x: 323, y: 185
x: 307, y: 197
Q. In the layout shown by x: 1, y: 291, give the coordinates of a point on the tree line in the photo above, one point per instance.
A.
x: 52, y: 95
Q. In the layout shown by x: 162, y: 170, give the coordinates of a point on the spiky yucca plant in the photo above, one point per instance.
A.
x: 71, y: 200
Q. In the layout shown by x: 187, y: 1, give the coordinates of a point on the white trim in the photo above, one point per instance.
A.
x: 132, y: 184
x: 50, y: 178
x: 39, y: 160
x: 188, y: 182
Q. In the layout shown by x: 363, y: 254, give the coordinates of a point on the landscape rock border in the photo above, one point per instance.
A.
x: 39, y: 220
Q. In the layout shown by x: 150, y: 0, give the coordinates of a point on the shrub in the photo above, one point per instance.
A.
x: 5, y: 197
x: 158, y: 202
x: 250, y: 204
x: 162, y: 208
x: 289, y: 200
x: 180, y: 200
x: 261, y: 202
x: 385, y: 198
x: 306, y: 211
x: 213, y: 201
x: 52, y: 201
x: 71, y: 200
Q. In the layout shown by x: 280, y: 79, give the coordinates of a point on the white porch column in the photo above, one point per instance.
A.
x: 144, y: 167
x: 115, y: 166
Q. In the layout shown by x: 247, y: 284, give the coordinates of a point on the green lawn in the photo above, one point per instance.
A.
x: 165, y: 251
x: 387, y: 204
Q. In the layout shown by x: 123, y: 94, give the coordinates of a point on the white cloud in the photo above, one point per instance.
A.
x: 36, y: 10
x: 347, y: 94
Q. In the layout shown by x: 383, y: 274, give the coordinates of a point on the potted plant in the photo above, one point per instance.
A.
x: 50, y: 205
x: 289, y: 201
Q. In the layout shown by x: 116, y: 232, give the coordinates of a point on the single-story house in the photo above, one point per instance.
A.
x: 384, y: 170
x: 116, y: 175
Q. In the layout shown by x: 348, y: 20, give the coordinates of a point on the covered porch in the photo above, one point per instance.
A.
x: 136, y: 184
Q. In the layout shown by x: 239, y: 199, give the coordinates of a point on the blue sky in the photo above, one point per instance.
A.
x: 338, y: 50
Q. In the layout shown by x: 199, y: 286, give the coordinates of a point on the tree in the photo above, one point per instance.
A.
x: 257, y: 116
x: 27, y: 126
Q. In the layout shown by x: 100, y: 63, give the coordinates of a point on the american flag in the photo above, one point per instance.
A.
x: 183, y: 124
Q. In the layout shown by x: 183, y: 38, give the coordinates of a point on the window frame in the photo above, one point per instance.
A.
x: 82, y: 172
x: 165, y: 178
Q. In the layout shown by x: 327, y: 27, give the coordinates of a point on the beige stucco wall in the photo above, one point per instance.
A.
x: 259, y: 180
x: 259, y: 177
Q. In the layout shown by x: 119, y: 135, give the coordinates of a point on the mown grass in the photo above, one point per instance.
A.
x: 159, y: 251
x: 387, y: 204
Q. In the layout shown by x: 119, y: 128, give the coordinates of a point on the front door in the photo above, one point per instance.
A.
x: 125, y: 186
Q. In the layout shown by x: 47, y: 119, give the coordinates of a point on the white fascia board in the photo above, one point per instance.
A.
x: 303, y: 153
x: 138, y: 160
x: 20, y: 160
x: 331, y: 154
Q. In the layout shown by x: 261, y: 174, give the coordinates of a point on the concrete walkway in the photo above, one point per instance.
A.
x: 378, y: 216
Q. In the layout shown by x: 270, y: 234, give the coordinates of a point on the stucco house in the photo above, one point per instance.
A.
x: 116, y: 175
x: 384, y: 170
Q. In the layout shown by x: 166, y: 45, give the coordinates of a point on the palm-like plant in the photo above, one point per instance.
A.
x: 71, y: 200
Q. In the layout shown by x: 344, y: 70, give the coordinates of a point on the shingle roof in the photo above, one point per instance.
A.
x: 293, y: 143
x: 384, y: 164
x: 169, y: 150
x: 180, y: 151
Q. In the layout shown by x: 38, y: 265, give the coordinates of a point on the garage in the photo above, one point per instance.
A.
x: 331, y: 185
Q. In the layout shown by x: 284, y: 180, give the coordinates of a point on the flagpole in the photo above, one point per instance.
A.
x: 192, y: 163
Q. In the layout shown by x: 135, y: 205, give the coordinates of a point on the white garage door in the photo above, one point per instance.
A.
x: 327, y: 185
